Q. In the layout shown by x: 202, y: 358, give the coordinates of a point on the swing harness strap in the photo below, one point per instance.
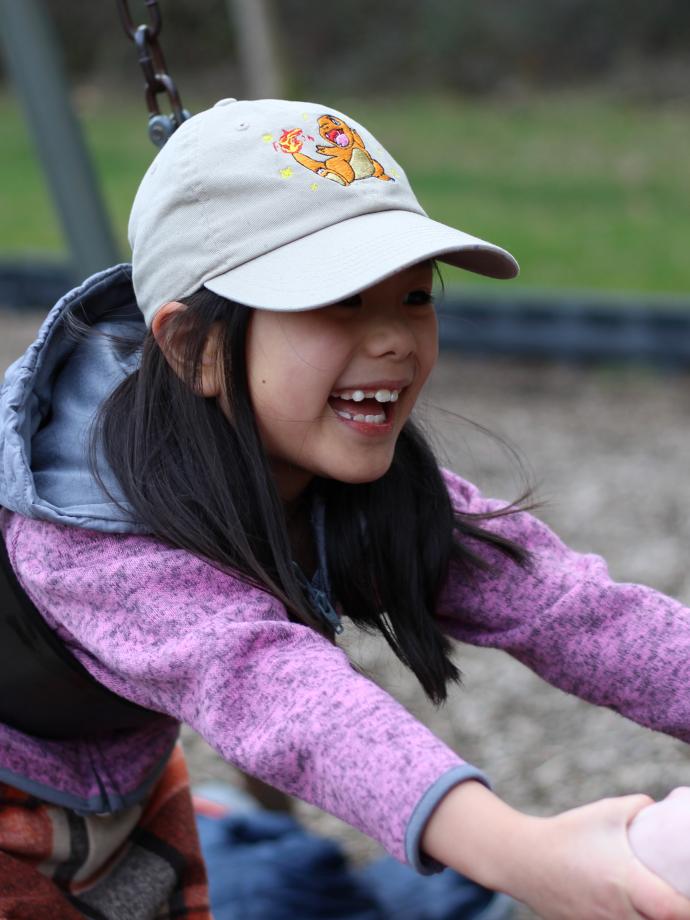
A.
x: 44, y: 690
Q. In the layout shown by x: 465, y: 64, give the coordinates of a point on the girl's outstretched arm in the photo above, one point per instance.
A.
x: 575, y: 866
x: 624, y: 646
x: 172, y: 633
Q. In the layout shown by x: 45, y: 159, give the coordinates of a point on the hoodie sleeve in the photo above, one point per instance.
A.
x: 623, y: 646
x: 172, y: 633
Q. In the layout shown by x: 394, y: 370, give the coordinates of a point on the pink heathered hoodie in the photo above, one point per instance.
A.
x: 172, y: 633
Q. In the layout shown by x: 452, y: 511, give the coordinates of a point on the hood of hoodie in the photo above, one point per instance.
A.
x: 50, y: 399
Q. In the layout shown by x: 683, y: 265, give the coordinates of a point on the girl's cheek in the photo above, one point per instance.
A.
x: 430, y: 348
x: 317, y: 351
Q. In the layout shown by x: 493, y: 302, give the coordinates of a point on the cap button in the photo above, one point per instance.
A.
x: 224, y: 102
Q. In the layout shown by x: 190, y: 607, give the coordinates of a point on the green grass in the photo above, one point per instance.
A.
x: 585, y: 192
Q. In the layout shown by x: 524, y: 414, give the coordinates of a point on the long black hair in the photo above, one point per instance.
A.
x: 203, y: 484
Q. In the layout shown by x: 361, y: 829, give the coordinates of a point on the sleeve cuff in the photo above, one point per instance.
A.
x: 424, y: 810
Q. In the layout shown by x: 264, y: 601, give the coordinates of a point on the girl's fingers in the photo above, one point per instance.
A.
x: 660, y: 838
x: 632, y: 804
x: 654, y: 899
x: 650, y: 896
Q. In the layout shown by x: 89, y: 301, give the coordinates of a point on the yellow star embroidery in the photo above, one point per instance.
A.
x: 286, y: 173
x: 395, y: 173
x: 305, y: 116
x: 267, y: 138
x: 313, y: 186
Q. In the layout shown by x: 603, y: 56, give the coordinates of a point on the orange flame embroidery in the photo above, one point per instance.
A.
x: 289, y: 141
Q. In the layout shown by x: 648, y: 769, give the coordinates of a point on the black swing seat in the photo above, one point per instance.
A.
x: 44, y: 690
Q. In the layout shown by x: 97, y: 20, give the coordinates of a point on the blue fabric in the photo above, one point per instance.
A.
x: 404, y: 895
x: 264, y: 866
x: 49, y: 400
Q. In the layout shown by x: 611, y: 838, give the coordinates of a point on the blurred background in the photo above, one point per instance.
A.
x: 559, y: 129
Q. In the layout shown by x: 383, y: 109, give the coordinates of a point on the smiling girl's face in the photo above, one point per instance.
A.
x: 332, y: 388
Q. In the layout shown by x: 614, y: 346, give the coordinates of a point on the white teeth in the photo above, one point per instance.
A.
x: 382, y: 396
x: 370, y: 419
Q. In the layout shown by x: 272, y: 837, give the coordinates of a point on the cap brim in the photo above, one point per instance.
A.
x: 337, y: 261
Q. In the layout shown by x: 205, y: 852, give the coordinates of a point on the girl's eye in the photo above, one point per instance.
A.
x: 413, y: 299
x: 419, y: 298
x: 354, y: 301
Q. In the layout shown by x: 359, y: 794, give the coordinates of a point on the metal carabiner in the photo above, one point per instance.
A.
x: 162, y: 127
x: 155, y: 18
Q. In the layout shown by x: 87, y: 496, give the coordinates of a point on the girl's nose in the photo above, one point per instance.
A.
x: 390, y: 336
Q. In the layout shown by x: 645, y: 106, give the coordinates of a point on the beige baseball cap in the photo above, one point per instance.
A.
x: 283, y: 206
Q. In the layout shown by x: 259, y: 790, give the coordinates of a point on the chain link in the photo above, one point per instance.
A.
x: 157, y: 80
x: 156, y: 21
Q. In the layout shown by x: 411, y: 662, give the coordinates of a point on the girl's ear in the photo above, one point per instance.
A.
x: 209, y: 380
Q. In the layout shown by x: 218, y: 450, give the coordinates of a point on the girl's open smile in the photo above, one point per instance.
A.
x: 370, y: 407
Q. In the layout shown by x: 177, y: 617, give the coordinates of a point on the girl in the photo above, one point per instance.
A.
x: 253, y: 475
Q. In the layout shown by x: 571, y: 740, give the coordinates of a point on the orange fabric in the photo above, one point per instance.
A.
x: 54, y: 862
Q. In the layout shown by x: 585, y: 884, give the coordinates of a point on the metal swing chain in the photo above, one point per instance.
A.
x: 156, y: 76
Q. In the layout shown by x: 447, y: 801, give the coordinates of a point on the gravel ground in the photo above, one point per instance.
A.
x: 606, y: 449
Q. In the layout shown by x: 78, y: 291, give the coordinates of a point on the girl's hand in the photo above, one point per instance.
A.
x: 575, y: 866
x: 582, y: 866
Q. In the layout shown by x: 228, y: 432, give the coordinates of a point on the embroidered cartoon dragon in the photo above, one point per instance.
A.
x: 346, y: 160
